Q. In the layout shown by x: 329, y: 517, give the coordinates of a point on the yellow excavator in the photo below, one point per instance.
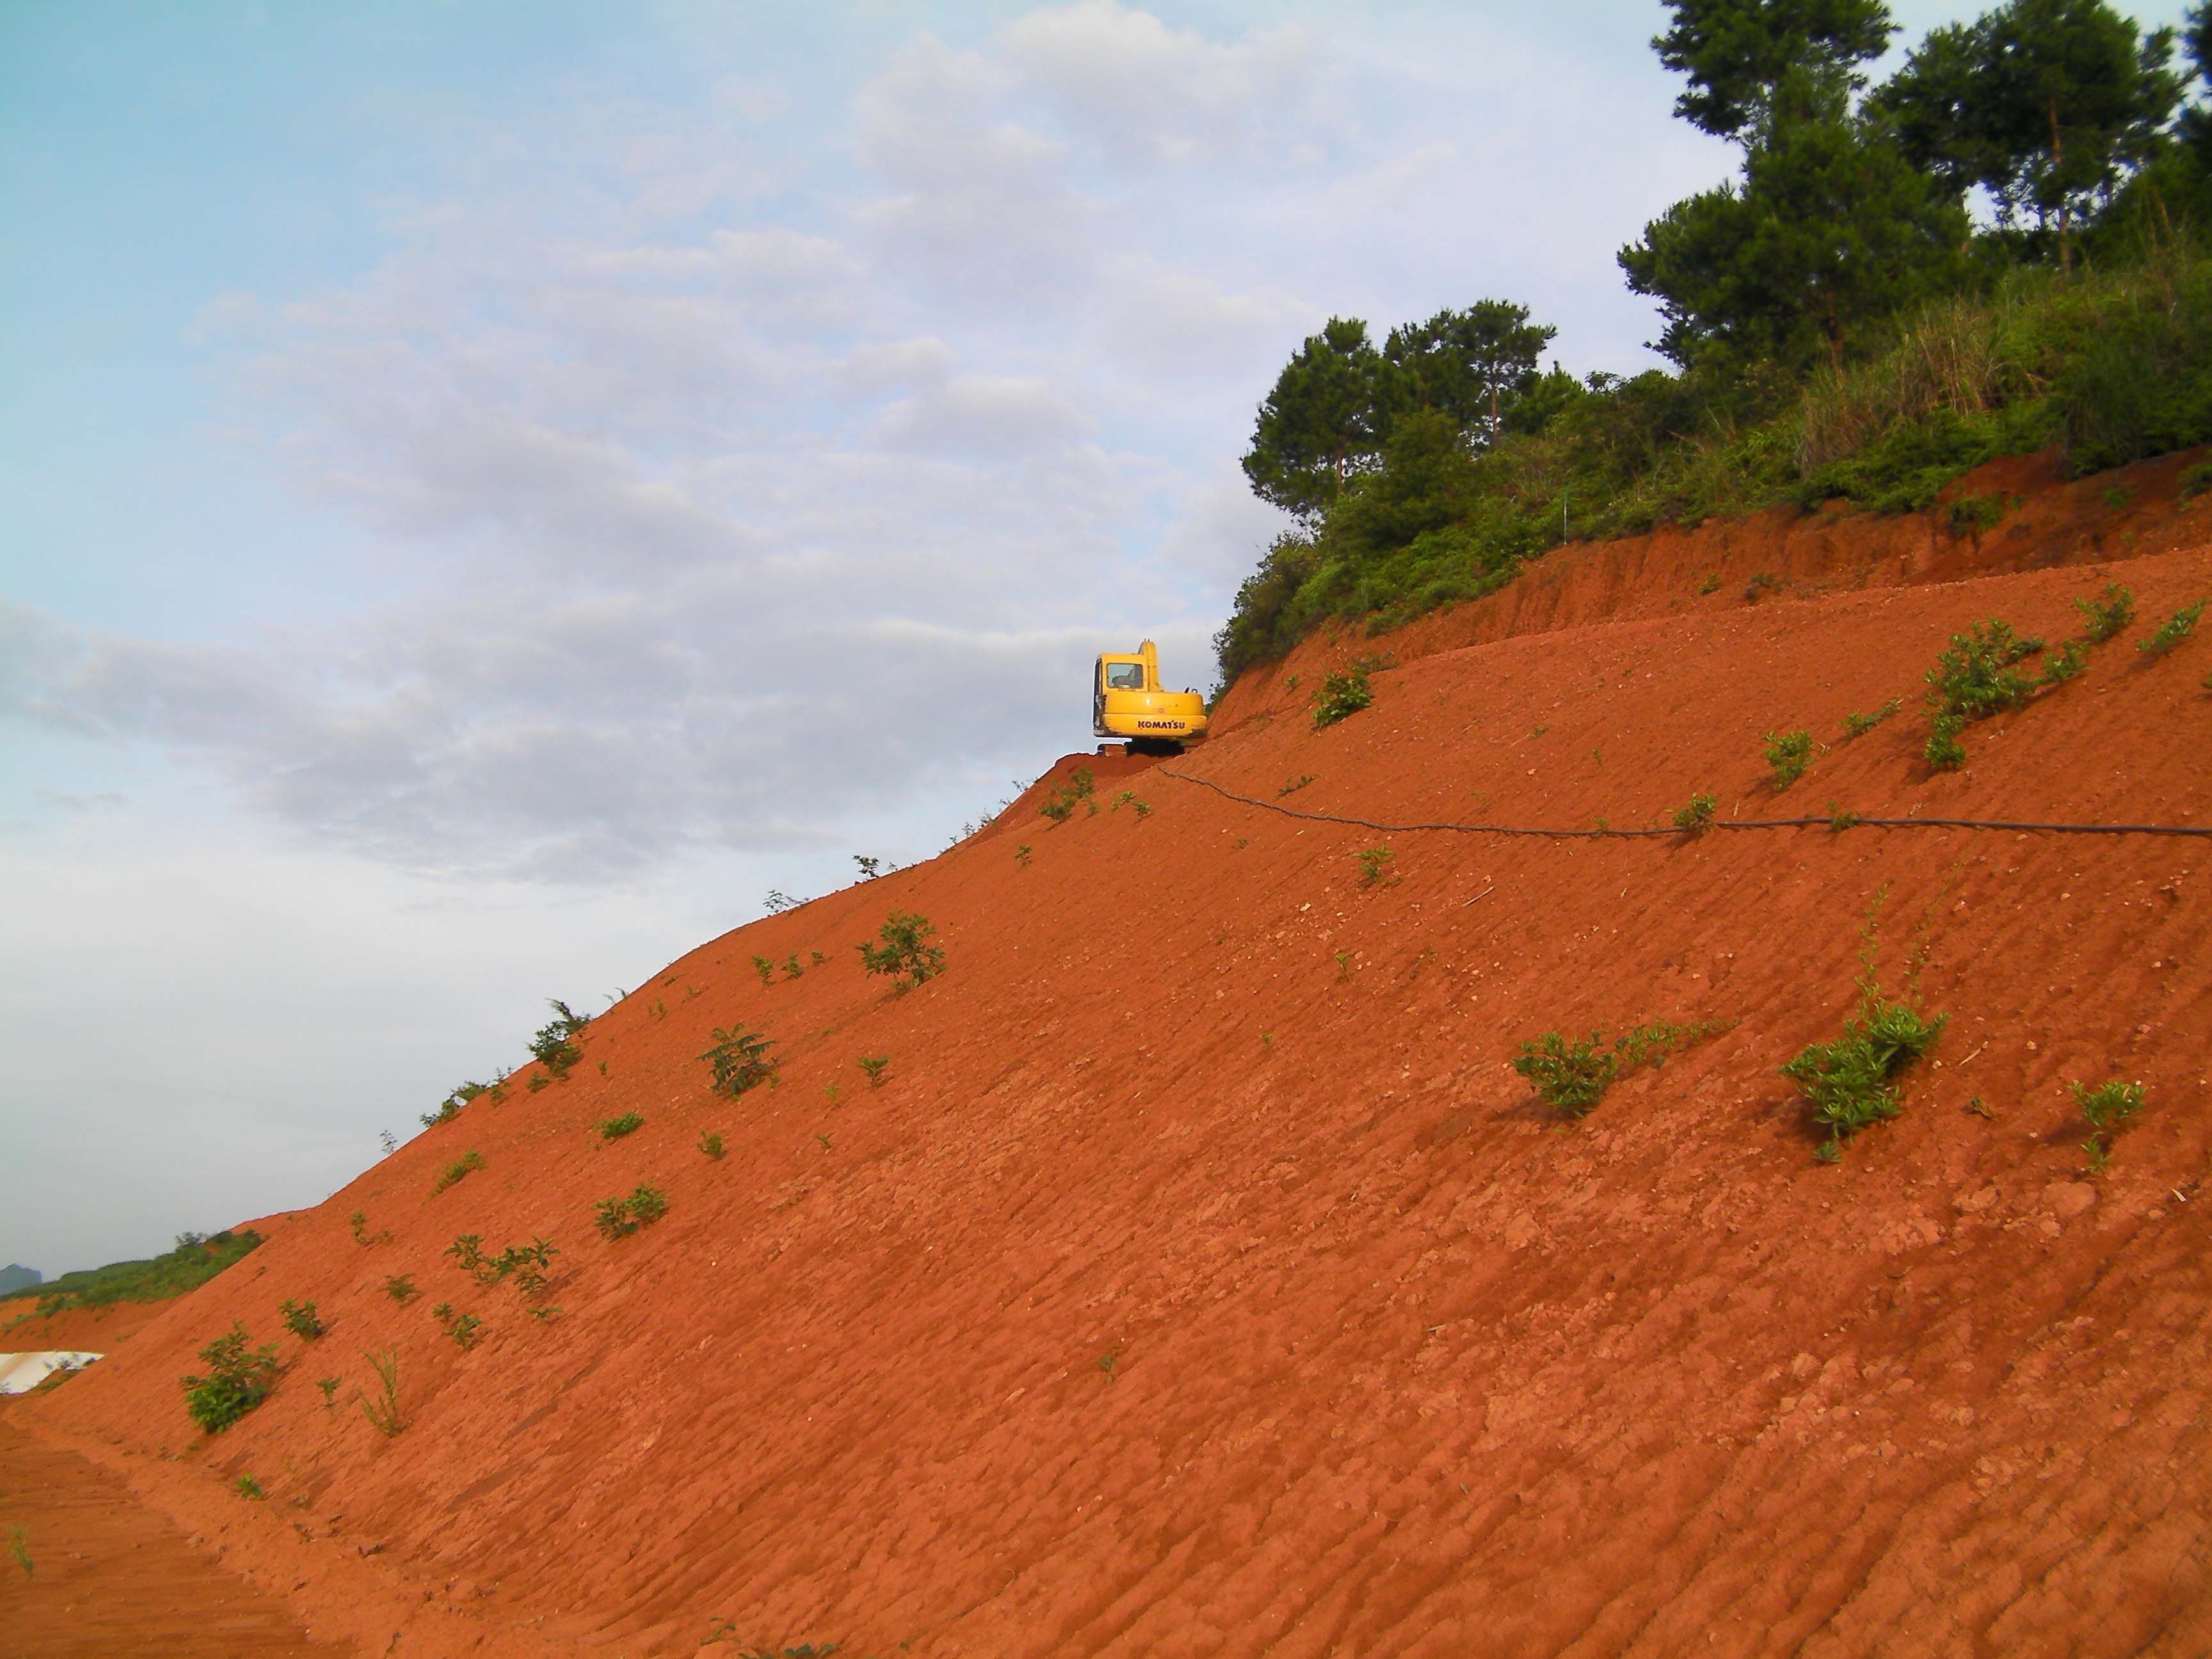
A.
x: 1126, y: 702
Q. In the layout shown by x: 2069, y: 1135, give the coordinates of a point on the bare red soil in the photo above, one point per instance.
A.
x: 93, y: 1330
x: 108, y: 1577
x: 1201, y: 1280
x: 1781, y: 553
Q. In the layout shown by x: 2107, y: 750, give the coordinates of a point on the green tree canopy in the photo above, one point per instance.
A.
x: 2044, y: 103
x: 1470, y: 365
x: 1832, y: 228
x: 1752, y: 63
x: 1322, y: 421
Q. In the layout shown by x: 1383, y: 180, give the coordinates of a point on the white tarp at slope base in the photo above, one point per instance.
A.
x: 20, y: 1373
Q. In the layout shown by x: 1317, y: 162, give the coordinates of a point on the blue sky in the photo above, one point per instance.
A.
x: 480, y: 485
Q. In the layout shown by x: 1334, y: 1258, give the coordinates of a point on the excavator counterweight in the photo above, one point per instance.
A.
x: 1126, y: 702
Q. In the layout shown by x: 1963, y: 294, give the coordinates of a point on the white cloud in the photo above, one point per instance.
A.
x: 981, y: 203
x: 1220, y: 528
x: 1173, y: 322
x: 1144, y: 91
x: 752, y: 97
x: 667, y: 464
x: 876, y: 367
x: 989, y: 414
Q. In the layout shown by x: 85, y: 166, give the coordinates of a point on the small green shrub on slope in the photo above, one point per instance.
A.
x: 458, y: 1170
x: 554, y: 1046
x: 618, y: 1218
x: 1857, y: 725
x: 2176, y: 628
x: 1342, y: 695
x: 2108, y: 616
x: 1080, y: 787
x: 738, y: 1061
x: 238, y: 1378
x: 1975, y: 677
x: 903, y: 953
x: 2108, y: 1108
x: 1572, y: 1077
x: 1697, y: 816
x: 1851, y: 1083
x: 1788, y: 754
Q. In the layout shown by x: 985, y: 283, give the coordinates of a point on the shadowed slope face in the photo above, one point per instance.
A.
x: 1201, y: 1279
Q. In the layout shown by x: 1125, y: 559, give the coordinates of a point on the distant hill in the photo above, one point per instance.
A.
x: 196, y: 1258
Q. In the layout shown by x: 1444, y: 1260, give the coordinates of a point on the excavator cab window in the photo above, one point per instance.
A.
x: 1125, y: 677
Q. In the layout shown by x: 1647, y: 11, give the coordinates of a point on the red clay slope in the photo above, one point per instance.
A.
x: 1724, y: 563
x: 105, y: 1577
x: 1202, y: 1281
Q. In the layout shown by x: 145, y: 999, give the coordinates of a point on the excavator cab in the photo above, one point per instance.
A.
x: 1127, y: 702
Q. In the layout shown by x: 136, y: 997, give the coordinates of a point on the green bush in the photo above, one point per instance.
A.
x: 467, y: 1252
x: 738, y: 1061
x: 302, y: 1319
x: 238, y: 1378
x: 710, y: 1144
x: 1975, y: 677
x: 1697, y: 816
x: 1857, y: 725
x: 614, y: 1128
x: 1851, y: 1083
x: 1374, y: 864
x: 2108, y: 1108
x: 2175, y: 628
x: 2108, y: 616
x: 457, y: 1170
x: 450, y: 1107
x: 765, y: 969
x: 904, y: 953
x: 2063, y: 664
x: 400, y: 1287
x: 2138, y: 382
x: 1973, y: 515
x: 1572, y: 1077
x: 554, y: 1046
x: 1789, y: 753
x: 529, y: 1265
x: 1080, y: 787
x: 466, y: 1329
x: 618, y: 1218
x: 1342, y: 695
